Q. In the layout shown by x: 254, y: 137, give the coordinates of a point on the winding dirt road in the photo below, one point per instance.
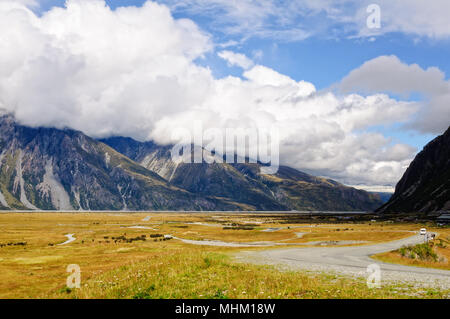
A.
x: 352, y: 260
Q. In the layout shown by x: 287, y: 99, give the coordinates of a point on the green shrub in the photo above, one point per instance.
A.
x: 421, y: 251
x: 145, y: 294
x: 207, y: 262
x: 219, y: 295
x: 66, y: 290
x: 441, y: 243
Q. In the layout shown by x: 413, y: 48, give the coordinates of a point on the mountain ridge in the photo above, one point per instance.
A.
x: 48, y: 168
x: 64, y: 169
x: 288, y: 189
x: 425, y: 185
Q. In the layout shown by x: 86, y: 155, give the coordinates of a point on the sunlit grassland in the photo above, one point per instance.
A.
x: 153, y: 268
x: 201, y: 273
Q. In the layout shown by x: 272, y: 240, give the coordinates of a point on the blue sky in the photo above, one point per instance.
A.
x: 322, y: 60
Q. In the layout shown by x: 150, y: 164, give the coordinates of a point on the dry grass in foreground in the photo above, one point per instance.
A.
x: 197, y: 273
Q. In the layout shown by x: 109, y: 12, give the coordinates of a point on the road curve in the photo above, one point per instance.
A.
x: 70, y: 239
x: 352, y: 260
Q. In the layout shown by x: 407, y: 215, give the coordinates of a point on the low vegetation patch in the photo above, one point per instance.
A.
x: 435, y: 254
x: 238, y: 228
x: 422, y: 252
x: 124, y: 239
x: 19, y: 243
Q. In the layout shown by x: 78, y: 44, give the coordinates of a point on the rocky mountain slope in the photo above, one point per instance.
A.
x: 245, y: 183
x: 52, y: 169
x: 425, y: 186
x: 45, y: 168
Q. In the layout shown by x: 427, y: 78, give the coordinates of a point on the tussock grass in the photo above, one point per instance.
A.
x: 202, y: 274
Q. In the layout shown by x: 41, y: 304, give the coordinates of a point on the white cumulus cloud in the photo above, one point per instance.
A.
x: 389, y: 74
x: 236, y: 59
x: 132, y: 71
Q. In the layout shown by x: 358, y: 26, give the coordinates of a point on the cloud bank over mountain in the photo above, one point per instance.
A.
x: 133, y: 71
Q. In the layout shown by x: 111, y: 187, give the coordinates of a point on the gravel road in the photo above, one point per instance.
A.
x: 351, y: 261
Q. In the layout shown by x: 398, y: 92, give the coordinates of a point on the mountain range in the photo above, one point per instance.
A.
x: 54, y: 169
x: 245, y: 182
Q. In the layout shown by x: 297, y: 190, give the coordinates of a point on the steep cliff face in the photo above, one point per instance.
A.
x: 245, y: 183
x: 425, y: 186
x: 45, y: 168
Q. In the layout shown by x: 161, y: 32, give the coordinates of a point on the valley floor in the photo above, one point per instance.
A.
x: 196, y: 255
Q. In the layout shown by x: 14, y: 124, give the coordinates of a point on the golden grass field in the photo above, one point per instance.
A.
x: 156, y: 268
